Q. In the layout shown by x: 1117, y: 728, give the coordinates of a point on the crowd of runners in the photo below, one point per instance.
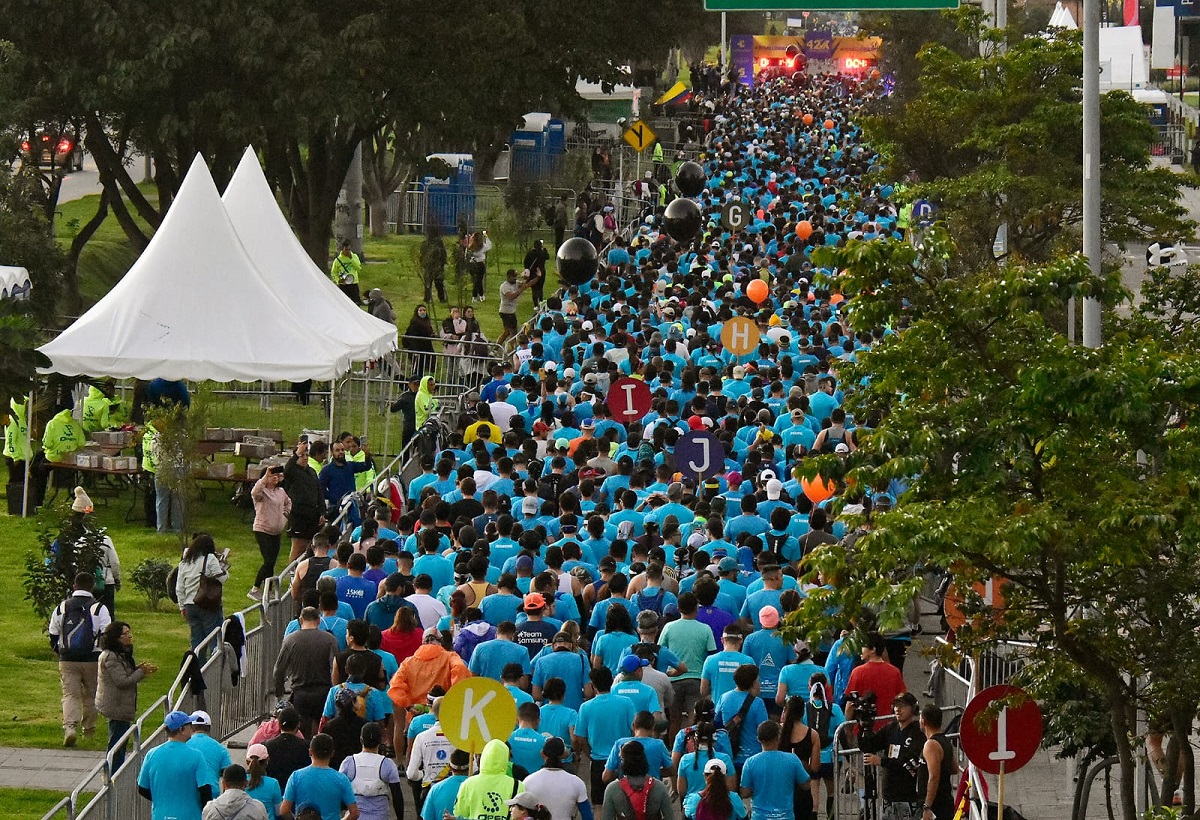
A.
x: 633, y: 611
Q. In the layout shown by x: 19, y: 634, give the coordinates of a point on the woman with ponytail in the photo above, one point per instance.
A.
x: 715, y: 801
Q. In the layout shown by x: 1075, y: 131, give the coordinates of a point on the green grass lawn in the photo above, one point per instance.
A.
x: 31, y: 804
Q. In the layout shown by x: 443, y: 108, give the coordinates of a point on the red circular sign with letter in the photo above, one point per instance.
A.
x: 629, y: 399
x: 1008, y: 739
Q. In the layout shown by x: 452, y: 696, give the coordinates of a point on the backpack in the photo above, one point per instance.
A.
x: 610, y: 224
x: 77, y: 638
x: 172, y: 579
x: 775, y: 542
x: 365, y: 784
x: 734, y: 725
x: 356, y: 700
x: 637, y: 797
x: 650, y: 603
x: 818, y: 719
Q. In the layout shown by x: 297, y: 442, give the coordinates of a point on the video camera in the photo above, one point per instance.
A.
x: 865, y: 710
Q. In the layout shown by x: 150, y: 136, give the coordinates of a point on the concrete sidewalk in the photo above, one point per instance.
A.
x: 52, y: 769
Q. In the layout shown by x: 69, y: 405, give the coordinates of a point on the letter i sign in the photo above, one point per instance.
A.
x: 1007, y: 740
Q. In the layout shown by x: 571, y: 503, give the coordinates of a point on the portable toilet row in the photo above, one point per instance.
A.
x: 537, y: 148
x: 450, y: 200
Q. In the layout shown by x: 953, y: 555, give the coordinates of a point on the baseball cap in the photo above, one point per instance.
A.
x: 587, y: 424
x: 714, y: 765
x: 562, y: 637
x: 727, y: 564
x: 632, y: 663
x: 540, y: 427
x: 431, y: 632
x: 739, y: 372
x: 201, y: 718
x: 562, y: 444
x: 525, y: 800
x: 768, y: 616
x: 733, y: 477
x: 907, y: 698
x: 529, y: 505
x: 774, y: 489
x: 842, y: 449
x: 591, y: 378
x: 177, y: 720
x: 551, y: 366
x: 257, y: 750
x: 533, y: 600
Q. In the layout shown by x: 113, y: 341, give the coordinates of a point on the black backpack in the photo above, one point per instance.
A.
x: 77, y: 638
x: 818, y: 719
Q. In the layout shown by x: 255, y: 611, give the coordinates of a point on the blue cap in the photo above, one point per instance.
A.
x: 177, y: 720
x: 632, y: 663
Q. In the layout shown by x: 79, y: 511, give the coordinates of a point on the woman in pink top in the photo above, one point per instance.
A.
x: 271, y: 508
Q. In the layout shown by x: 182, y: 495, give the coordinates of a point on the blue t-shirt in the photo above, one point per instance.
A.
x: 420, y: 723
x: 691, y: 768
x: 357, y: 592
x: 691, y: 803
x: 525, y: 747
x: 500, y: 607
x: 215, y: 755
x: 729, y: 705
x: 641, y: 695
x: 490, y: 657
x: 326, y: 789
x: 558, y: 721
x: 772, y: 778
x: 519, y: 695
x: 611, y: 648
x: 442, y: 797
x: 720, y: 744
x: 795, y: 677
x: 379, y: 705
x: 269, y: 794
x: 173, y: 772
x: 604, y: 720
x: 571, y: 667
x: 719, y: 669
x: 770, y: 655
x: 656, y: 754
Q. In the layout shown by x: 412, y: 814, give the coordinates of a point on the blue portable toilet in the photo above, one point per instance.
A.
x: 451, y: 199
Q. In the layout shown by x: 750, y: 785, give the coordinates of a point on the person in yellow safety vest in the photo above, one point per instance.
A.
x: 344, y: 272
x: 354, y: 452
x: 904, y: 218
x: 63, y: 435
x: 149, y: 468
x: 658, y: 153
x: 96, y: 408
x: 17, y: 448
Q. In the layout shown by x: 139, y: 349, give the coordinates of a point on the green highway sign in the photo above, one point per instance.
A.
x: 828, y: 5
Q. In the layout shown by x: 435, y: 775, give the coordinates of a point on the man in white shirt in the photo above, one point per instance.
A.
x: 502, y: 411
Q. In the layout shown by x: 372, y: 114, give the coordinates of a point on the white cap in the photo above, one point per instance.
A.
x: 774, y: 489
x: 715, y: 765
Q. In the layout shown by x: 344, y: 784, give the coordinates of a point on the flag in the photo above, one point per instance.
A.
x: 1131, y: 12
x: 677, y: 93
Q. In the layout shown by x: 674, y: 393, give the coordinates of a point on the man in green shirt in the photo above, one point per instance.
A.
x: 692, y: 641
x: 345, y: 270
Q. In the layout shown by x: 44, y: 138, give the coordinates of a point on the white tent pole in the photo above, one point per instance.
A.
x: 332, y: 399
x: 28, y: 454
x: 366, y: 395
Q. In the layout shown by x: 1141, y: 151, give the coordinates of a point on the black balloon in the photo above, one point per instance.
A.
x: 577, y: 261
x: 690, y: 179
x: 681, y: 220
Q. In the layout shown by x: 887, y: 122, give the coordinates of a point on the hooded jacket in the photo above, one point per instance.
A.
x: 15, y: 432
x: 95, y: 410
x: 382, y: 611
x: 63, y: 435
x: 471, y: 636
x: 429, y: 666
x: 427, y: 405
x: 234, y: 804
x: 483, y: 796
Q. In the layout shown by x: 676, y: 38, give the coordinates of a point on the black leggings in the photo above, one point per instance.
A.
x: 268, y: 546
x: 598, y: 781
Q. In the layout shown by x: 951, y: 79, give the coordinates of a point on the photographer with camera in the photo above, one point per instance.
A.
x: 875, y: 675
x: 896, y: 749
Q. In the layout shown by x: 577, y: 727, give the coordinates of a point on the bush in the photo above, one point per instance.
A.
x: 150, y: 577
x: 67, y: 544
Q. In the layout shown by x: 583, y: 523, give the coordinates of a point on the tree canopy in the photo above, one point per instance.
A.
x: 1069, y: 473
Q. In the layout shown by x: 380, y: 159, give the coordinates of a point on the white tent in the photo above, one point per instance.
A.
x: 14, y: 283
x: 291, y: 273
x: 195, y: 307
x: 1061, y: 18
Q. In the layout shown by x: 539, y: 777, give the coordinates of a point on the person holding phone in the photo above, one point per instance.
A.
x: 271, y: 508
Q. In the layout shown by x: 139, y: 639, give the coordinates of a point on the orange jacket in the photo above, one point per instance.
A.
x: 429, y: 666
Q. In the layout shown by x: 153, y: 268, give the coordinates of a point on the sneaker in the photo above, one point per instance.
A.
x: 89, y: 731
x: 69, y: 737
x: 254, y: 594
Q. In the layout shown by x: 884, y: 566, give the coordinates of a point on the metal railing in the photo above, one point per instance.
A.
x: 419, y: 205
x: 231, y: 706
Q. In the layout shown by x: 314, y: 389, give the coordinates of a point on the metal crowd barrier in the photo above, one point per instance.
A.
x: 232, y: 707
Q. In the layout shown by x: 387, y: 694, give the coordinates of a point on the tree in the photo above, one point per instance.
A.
x: 996, y: 139
x: 1067, y: 472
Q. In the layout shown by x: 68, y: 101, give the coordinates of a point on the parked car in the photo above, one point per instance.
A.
x: 54, y: 150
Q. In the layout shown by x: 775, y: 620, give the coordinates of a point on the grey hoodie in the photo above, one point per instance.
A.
x: 234, y: 804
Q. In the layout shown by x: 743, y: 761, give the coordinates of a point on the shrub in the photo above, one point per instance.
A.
x: 150, y: 577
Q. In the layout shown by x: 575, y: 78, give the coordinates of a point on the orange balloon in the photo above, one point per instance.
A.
x: 808, y: 119
x: 758, y: 291
x: 804, y: 229
x: 817, y: 489
x: 829, y: 125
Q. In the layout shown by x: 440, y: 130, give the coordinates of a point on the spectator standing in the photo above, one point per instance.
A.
x: 271, y: 509
x: 510, y: 292
x: 433, y: 263
x: 417, y: 340
x: 200, y: 567
x: 535, y: 265
x: 479, y: 244
x: 303, y: 488
x: 75, y: 629
x: 116, y: 692
x: 345, y: 270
